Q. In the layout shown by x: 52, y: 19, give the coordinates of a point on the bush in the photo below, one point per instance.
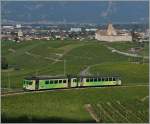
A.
x: 4, y: 63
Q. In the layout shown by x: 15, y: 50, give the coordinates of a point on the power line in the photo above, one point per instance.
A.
x: 8, y: 81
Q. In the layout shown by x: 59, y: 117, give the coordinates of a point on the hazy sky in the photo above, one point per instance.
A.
x: 80, y: 12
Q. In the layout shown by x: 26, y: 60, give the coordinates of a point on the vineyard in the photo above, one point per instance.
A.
x: 120, y: 112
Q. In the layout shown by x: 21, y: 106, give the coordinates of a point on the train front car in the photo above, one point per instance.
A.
x: 99, y: 81
x: 44, y: 82
x: 28, y: 84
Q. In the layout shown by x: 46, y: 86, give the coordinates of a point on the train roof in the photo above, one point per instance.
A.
x: 98, y: 76
x: 44, y: 77
x: 64, y: 77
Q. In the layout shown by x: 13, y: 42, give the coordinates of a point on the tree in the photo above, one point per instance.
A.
x: 134, y: 35
x: 16, y: 38
x: 4, y: 63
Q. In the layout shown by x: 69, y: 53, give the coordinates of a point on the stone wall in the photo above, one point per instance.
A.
x: 113, y: 38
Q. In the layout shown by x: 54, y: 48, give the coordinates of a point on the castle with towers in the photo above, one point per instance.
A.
x: 112, y: 35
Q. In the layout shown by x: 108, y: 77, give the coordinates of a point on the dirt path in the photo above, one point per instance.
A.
x: 125, y: 53
x: 144, y: 98
x: 85, y: 71
x: 39, y: 56
x: 12, y: 50
x: 91, y: 111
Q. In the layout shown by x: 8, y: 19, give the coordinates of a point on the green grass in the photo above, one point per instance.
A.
x: 68, y: 106
x: 145, y: 52
x: 124, y: 46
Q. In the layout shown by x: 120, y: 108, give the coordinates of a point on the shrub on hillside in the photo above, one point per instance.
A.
x: 4, y: 63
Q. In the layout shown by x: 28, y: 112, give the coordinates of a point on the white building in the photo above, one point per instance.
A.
x: 90, y: 29
x: 18, y: 26
x: 75, y: 29
x: 8, y: 27
x: 111, y: 35
x: 20, y: 33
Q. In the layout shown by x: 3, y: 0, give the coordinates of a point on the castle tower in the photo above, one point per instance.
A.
x: 20, y: 33
x: 111, y: 30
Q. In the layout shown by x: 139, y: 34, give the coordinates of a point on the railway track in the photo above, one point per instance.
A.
x: 58, y: 90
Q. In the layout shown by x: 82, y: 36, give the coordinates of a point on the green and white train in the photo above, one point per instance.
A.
x: 41, y: 83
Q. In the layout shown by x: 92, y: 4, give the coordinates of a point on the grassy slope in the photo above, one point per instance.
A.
x: 69, y: 105
x: 85, y: 53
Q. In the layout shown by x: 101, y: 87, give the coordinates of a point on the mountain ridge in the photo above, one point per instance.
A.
x: 75, y: 12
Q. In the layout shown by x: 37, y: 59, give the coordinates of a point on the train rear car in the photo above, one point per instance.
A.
x: 99, y: 81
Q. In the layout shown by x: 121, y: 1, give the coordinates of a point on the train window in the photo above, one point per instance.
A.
x: 47, y: 82
x: 24, y: 82
x: 103, y: 79
x: 74, y: 80
x: 56, y: 81
x: 91, y: 79
x: 30, y: 83
x: 106, y: 79
x: 51, y: 81
x: 110, y: 79
x: 87, y: 80
x: 99, y: 79
x: 95, y: 79
x: 60, y: 81
x: 114, y: 79
x: 64, y: 81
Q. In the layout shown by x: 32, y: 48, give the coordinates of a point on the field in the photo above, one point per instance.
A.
x: 68, y: 106
x: 47, y: 58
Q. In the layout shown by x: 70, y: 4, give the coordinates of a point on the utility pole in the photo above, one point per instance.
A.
x: 36, y: 72
x: 64, y: 67
x: 143, y: 59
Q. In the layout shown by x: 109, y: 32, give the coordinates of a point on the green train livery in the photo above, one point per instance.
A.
x: 45, y: 82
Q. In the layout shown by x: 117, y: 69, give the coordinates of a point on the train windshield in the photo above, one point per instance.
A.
x: 74, y: 80
x: 28, y: 82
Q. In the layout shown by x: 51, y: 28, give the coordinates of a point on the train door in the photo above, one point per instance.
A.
x: 81, y: 81
x: 36, y: 84
x: 69, y: 82
x: 118, y: 81
x: 74, y: 82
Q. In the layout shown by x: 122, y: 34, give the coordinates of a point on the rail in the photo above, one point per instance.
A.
x: 78, y: 88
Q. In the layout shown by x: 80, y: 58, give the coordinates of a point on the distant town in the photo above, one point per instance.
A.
x: 107, y: 32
